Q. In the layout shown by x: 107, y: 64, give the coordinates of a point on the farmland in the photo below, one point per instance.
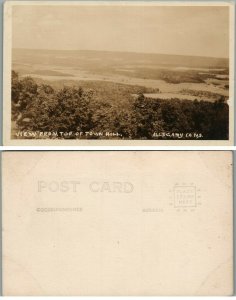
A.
x: 117, y: 84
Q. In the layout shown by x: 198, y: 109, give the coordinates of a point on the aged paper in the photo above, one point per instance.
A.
x: 118, y: 73
x: 117, y: 223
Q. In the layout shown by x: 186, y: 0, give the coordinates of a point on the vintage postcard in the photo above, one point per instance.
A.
x: 118, y: 73
x: 117, y: 223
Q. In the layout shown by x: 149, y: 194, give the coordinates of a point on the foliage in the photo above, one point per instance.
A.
x: 40, y: 107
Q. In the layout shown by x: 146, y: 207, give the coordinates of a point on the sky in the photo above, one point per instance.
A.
x: 181, y: 30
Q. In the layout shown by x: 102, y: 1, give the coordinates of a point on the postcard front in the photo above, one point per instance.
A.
x: 117, y: 223
x: 118, y: 73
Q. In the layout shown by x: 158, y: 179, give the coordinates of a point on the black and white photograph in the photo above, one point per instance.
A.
x: 118, y: 71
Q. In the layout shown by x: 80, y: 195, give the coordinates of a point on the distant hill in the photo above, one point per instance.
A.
x: 96, y: 59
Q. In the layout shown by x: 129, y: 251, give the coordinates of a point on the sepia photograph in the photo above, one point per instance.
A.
x: 118, y: 72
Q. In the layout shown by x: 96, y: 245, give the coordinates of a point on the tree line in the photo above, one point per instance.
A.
x: 40, y: 107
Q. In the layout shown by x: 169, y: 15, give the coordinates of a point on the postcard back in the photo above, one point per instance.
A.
x: 117, y: 223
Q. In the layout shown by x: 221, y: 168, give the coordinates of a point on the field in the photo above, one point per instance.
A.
x: 119, y: 80
x: 167, y: 73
